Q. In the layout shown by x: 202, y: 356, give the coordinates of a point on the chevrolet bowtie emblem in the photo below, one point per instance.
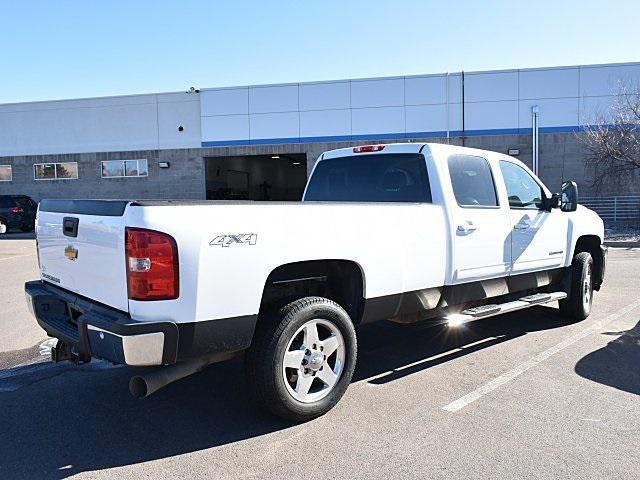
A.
x: 71, y: 253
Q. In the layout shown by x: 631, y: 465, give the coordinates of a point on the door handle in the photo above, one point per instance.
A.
x: 467, y: 227
x: 522, y: 224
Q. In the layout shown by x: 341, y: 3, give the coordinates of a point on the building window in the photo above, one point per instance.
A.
x: 124, y: 168
x: 6, y: 173
x: 53, y: 171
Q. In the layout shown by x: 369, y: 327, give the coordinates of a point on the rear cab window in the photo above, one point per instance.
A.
x: 391, y: 177
x: 472, y: 181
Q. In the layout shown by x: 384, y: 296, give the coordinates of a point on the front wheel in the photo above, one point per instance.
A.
x: 302, y: 358
x: 578, y: 304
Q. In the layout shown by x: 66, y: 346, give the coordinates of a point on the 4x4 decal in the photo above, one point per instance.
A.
x: 240, y: 238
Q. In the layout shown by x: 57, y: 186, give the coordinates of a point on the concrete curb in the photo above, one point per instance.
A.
x: 622, y: 244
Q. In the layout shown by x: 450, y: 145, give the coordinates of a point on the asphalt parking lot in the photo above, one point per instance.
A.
x: 519, y: 396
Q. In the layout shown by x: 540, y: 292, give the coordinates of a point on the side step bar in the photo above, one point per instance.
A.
x: 485, y: 311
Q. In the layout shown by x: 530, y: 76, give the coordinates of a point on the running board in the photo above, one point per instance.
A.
x: 485, y: 311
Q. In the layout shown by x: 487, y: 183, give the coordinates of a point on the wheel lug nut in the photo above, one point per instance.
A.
x: 304, y: 361
x: 307, y: 352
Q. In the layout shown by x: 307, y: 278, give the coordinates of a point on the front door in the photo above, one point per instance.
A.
x: 481, y: 227
x: 538, y: 236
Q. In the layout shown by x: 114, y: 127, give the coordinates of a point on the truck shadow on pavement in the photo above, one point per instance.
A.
x: 79, y: 419
x: 617, y: 364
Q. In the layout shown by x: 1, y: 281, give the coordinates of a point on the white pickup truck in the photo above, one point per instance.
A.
x: 402, y: 232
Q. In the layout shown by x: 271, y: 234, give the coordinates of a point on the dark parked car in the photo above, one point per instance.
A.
x: 17, y: 211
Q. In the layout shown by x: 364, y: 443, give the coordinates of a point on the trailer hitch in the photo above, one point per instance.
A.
x: 62, y: 351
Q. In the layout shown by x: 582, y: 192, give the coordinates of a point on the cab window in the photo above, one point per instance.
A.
x: 522, y: 189
x: 396, y: 177
x: 472, y: 181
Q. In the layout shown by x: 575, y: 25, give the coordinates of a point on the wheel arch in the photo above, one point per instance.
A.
x: 591, y: 244
x: 340, y: 280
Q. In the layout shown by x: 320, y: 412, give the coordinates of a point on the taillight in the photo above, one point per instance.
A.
x: 152, y: 265
x: 368, y: 148
x: 16, y: 210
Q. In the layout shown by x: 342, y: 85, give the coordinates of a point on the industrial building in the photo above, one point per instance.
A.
x: 260, y: 142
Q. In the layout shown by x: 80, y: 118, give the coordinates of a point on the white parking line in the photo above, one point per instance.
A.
x: 541, y: 357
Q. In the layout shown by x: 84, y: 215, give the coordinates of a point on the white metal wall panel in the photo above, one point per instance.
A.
x: 455, y: 88
x: 480, y: 87
x: 226, y: 101
x: 77, y: 130
x: 605, y: 80
x: 425, y: 90
x: 382, y: 120
x: 455, y: 117
x: 325, y: 96
x: 553, y: 112
x: 273, y: 99
x: 325, y: 123
x: 177, y: 110
x: 593, y: 110
x: 491, y: 115
x: 79, y: 103
x: 225, y: 127
x: 274, y: 125
x: 377, y: 93
x: 426, y: 118
x: 550, y: 83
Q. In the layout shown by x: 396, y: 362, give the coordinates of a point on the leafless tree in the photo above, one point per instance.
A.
x: 612, y: 139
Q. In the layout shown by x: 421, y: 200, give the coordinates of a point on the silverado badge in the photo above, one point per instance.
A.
x: 71, y: 253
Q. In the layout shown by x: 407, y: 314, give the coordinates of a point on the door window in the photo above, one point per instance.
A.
x: 472, y: 181
x: 522, y: 189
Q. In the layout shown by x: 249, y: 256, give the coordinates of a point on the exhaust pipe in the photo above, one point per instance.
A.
x: 142, y: 386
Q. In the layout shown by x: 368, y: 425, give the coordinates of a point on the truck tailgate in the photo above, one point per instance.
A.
x: 81, y: 244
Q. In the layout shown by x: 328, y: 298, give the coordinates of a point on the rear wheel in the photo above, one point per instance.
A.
x: 302, y: 358
x: 578, y: 304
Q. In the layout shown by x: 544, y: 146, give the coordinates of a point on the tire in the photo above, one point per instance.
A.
x: 578, y: 304
x: 289, y: 371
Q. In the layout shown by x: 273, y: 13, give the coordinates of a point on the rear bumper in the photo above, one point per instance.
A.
x: 93, y: 330
x: 16, y: 221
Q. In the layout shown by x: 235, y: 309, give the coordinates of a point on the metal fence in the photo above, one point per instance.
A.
x: 614, y: 209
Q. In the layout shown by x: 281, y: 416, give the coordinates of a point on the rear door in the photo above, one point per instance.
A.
x: 82, y: 248
x: 538, y: 237
x: 481, y: 228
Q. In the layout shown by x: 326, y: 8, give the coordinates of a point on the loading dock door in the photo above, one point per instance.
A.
x: 257, y: 177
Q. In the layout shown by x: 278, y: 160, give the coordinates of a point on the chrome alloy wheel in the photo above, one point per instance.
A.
x: 313, y: 361
x: 587, y: 288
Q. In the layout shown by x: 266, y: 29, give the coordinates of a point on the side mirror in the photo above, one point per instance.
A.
x: 569, y: 199
x: 551, y: 203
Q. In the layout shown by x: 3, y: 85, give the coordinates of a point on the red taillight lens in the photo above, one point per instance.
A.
x: 368, y: 148
x: 16, y: 210
x: 152, y: 265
